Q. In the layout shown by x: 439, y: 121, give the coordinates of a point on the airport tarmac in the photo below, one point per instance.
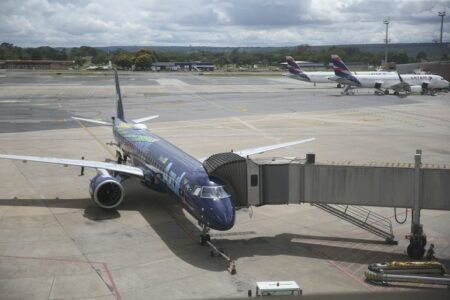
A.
x: 56, y: 244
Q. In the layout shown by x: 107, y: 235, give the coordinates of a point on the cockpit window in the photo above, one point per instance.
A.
x: 215, y: 192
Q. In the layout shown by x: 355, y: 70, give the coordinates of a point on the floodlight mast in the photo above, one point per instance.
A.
x: 442, y: 15
x: 386, y: 40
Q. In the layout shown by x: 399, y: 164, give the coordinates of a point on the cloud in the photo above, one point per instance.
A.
x: 217, y: 22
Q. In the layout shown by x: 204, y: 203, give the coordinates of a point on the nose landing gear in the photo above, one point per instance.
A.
x: 204, y: 236
x: 205, y: 239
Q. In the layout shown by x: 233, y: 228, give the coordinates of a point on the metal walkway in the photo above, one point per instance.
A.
x: 340, y: 189
x: 363, y: 218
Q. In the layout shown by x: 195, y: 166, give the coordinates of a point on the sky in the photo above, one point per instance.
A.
x: 224, y: 23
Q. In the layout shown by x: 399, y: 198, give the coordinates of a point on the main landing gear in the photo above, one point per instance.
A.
x: 348, y: 90
x: 380, y: 92
x: 121, y: 158
x: 205, y: 239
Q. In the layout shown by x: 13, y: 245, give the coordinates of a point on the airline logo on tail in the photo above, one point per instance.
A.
x: 341, y: 70
x: 295, y: 70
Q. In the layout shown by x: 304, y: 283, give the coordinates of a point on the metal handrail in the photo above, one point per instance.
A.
x: 362, y: 217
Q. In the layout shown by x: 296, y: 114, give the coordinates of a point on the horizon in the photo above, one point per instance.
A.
x: 214, y: 23
x: 204, y: 46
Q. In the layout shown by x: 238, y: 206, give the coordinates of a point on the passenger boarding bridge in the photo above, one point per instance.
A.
x: 339, y: 189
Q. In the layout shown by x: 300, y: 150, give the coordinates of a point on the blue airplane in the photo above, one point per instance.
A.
x: 161, y: 166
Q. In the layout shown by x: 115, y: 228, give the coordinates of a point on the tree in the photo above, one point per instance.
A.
x: 143, y: 59
x: 143, y: 62
x: 100, y: 58
x: 123, y: 60
x: 421, y: 56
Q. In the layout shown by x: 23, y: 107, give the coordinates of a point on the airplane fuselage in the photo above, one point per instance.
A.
x: 168, y: 168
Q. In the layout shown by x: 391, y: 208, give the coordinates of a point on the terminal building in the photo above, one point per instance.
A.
x: 185, y: 66
x: 36, y: 64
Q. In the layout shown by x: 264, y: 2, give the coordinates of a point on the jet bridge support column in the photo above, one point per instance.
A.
x: 417, y: 239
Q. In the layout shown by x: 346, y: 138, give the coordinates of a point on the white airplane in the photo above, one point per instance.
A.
x: 316, y: 77
x: 423, y: 83
x: 296, y: 73
x: 384, y: 80
x: 97, y: 68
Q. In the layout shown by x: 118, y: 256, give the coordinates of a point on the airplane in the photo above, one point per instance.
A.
x: 296, y: 73
x: 161, y: 166
x: 387, y: 80
x: 423, y: 83
x: 98, y: 68
x: 315, y: 77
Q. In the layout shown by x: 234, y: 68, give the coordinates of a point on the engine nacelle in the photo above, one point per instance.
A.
x: 416, y: 89
x: 106, y: 191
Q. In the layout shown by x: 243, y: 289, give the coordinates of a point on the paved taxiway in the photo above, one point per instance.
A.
x: 56, y: 244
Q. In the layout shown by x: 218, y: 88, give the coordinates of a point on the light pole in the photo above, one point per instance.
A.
x: 386, y: 40
x: 442, y: 15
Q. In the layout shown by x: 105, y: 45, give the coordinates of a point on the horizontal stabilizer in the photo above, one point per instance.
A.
x: 93, y: 121
x: 145, y: 119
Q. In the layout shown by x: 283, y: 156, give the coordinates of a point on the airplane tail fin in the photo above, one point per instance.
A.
x: 338, y: 65
x: 295, y: 70
x: 119, y: 106
x: 341, y: 70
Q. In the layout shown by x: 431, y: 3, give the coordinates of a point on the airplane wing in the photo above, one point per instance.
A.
x: 258, y: 150
x: 401, y: 86
x: 124, y: 169
x: 341, y: 80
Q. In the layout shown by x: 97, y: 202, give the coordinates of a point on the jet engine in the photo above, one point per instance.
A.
x: 106, y: 190
x: 416, y: 89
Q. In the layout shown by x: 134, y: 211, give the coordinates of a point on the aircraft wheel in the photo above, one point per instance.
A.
x: 339, y: 86
x: 386, y: 92
x: 204, y: 238
x: 415, y: 251
x: 396, y: 93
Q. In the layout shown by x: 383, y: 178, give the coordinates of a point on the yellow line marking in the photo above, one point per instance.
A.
x: 181, y: 225
x: 96, y: 139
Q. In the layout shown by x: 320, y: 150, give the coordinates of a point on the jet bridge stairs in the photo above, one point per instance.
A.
x: 363, y: 218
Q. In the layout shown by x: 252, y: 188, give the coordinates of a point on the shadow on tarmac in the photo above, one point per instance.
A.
x: 182, y: 237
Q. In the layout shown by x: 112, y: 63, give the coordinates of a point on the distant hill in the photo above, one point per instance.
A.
x: 432, y: 50
x: 412, y: 49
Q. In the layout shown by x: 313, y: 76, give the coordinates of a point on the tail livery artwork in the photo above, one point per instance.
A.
x: 295, y: 71
x: 161, y: 166
x: 341, y: 71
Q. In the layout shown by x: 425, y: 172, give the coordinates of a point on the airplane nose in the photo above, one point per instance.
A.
x: 222, y: 214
